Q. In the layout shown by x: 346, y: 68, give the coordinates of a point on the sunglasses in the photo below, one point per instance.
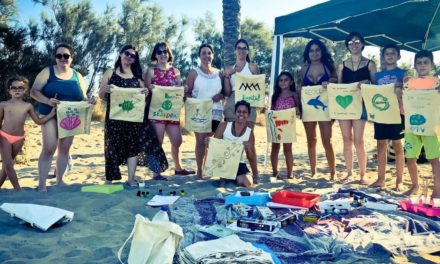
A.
x: 162, y: 52
x: 19, y: 88
x: 60, y: 56
x: 241, y: 48
x: 129, y: 54
x: 354, y: 42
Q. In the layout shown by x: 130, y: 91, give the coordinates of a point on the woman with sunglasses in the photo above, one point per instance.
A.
x: 242, y: 65
x: 54, y: 84
x: 356, y: 68
x: 319, y: 69
x: 164, y: 74
x: 126, y: 142
x: 206, y: 82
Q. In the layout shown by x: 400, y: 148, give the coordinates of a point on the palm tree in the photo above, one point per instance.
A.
x: 231, y: 29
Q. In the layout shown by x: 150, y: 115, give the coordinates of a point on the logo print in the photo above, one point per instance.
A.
x: 344, y: 101
x: 251, y: 86
x: 380, y: 102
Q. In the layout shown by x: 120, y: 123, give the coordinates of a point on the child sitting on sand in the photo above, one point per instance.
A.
x: 423, y: 63
x: 13, y: 115
x: 284, y: 97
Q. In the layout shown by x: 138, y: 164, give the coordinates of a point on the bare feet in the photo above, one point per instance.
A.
x: 413, y: 190
x: 363, y: 182
x: 380, y: 183
x: 399, y: 187
x: 131, y: 183
x: 61, y: 183
x: 332, y: 177
x: 346, y: 179
x: 41, y: 189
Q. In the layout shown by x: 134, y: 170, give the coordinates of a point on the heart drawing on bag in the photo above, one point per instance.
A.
x: 344, y: 101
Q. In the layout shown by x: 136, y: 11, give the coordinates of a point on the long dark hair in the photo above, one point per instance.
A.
x: 277, y: 88
x: 248, y: 59
x: 326, y: 58
x: 157, y: 49
x: 136, y: 67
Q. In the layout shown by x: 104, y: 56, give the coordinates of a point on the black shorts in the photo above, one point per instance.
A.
x: 242, y: 169
x: 214, y: 125
x: 389, y: 131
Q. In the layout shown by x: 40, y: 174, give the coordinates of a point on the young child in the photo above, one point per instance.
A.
x: 13, y: 115
x: 284, y: 97
x: 423, y: 63
x: 394, y: 132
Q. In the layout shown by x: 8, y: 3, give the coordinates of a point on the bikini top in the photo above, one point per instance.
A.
x: 324, y: 78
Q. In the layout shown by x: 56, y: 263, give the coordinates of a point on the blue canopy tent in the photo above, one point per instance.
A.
x: 411, y: 24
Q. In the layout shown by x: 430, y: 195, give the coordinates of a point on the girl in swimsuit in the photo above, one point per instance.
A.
x: 319, y: 70
x: 13, y: 115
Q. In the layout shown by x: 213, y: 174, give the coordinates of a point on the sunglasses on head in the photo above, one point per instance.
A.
x: 354, y: 42
x: 162, y: 52
x: 129, y: 54
x: 60, y: 56
x: 19, y: 88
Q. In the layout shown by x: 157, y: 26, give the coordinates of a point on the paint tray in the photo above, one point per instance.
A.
x: 106, y: 189
x: 419, y: 208
x: 255, y: 198
x: 301, y: 199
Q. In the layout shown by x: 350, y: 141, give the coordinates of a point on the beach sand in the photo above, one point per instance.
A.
x: 102, y: 222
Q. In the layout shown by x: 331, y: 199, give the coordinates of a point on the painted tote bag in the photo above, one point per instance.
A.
x: 314, y: 101
x: 251, y: 88
x: 422, y: 112
x: 127, y: 104
x: 73, y: 118
x: 198, y: 115
x: 281, y: 126
x: 381, y: 103
x: 223, y: 158
x: 345, y: 101
x: 166, y: 103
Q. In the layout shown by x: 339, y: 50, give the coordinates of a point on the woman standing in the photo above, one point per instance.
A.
x: 125, y: 141
x: 164, y: 74
x: 54, y: 84
x: 204, y: 82
x: 242, y: 65
x: 356, y: 68
x: 319, y: 70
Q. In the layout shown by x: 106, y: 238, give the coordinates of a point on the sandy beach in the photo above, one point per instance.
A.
x: 102, y: 222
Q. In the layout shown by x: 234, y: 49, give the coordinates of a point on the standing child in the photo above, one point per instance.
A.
x: 284, y: 97
x: 394, y: 132
x: 13, y: 115
x: 423, y: 63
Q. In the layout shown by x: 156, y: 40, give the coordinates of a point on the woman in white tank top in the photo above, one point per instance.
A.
x: 238, y: 131
x: 204, y: 82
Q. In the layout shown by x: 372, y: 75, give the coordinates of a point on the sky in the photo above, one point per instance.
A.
x: 259, y: 10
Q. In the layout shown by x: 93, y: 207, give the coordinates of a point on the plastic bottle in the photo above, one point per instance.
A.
x: 162, y: 215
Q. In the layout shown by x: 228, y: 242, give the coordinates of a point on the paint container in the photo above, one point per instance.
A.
x: 141, y: 184
x: 436, y: 202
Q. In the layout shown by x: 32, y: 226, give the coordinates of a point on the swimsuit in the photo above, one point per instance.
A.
x: 308, y: 82
x: 11, y: 138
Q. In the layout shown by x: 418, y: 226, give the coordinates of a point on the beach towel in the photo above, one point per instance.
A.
x: 381, y: 103
x: 223, y: 158
x: 281, y: 126
x: 166, y: 103
x: 250, y: 88
x: 39, y: 216
x: 198, y: 115
x: 73, y: 118
x: 152, y: 242
x: 127, y: 104
x: 422, y: 112
x: 345, y: 101
x: 314, y: 102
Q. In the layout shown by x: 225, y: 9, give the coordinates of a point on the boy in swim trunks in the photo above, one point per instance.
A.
x: 13, y: 115
x: 423, y: 63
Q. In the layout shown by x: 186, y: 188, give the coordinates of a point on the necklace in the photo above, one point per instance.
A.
x: 241, y: 132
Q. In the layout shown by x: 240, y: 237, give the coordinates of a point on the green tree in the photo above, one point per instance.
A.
x: 259, y: 37
x: 231, y: 29
x: 7, y: 12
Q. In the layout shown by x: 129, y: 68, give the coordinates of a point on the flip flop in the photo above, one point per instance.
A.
x: 159, y: 178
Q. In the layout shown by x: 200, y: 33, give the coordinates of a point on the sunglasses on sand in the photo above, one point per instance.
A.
x: 60, y: 56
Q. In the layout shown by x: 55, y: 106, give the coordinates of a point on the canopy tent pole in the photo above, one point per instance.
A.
x: 277, y: 61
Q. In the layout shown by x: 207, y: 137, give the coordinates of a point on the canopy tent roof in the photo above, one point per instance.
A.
x: 411, y: 24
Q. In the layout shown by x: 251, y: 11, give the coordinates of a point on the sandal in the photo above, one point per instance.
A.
x: 159, y: 178
x: 184, y: 172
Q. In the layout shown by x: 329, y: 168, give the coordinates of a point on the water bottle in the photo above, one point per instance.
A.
x: 162, y: 215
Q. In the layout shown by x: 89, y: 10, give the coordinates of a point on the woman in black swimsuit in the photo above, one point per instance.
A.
x: 356, y: 68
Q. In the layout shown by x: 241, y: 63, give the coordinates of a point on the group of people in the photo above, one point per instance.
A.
x: 136, y: 144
